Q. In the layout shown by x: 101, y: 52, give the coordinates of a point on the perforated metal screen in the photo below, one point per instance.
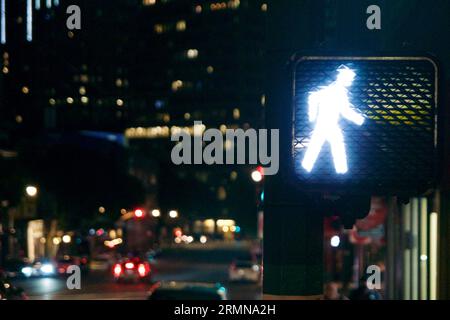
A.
x: 394, y: 149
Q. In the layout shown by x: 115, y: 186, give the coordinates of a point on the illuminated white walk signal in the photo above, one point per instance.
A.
x: 362, y: 124
x: 325, y: 108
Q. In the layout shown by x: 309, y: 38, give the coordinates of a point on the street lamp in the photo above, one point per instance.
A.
x: 335, y: 241
x: 31, y: 191
x: 156, y: 213
x: 173, y: 214
x: 258, y: 174
x: 66, y: 238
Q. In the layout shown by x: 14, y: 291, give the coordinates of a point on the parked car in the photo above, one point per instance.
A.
x: 247, y: 270
x: 178, y: 290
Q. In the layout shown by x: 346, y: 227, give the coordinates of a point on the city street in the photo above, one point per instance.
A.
x: 224, y: 150
x: 179, y: 265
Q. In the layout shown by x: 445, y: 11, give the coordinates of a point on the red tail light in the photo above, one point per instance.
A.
x: 117, y: 270
x: 143, y: 270
x: 129, y: 265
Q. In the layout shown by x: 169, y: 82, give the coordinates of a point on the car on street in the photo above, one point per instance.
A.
x: 179, y: 290
x: 244, y: 270
x: 40, y: 268
x: 132, y: 269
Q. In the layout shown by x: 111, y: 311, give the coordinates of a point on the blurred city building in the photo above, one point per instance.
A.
x: 134, y: 67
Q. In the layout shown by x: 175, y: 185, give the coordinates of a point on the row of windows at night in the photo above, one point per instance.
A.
x: 181, y: 25
x: 163, y: 130
x: 119, y: 82
x: 85, y: 100
x: 176, y: 85
x: 164, y: 117
x: 214, y: 6
x: 166, y: 131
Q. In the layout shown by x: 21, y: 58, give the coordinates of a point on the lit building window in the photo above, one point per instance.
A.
x: 82, y: 90
x: 5, y: 70
x: 25, y: 90
x: 236, y: 114
x: 52, y: 101
x: 181, y: 25
x: 84, y: 78
x: 69, y: 100
x: 159, y: 28
x: 210, y: 69
x: 119, y: 82
x: 263, y: 100
x: 176, y: 85
x: 187, y: 116
x: 192, y: 53
x: 148, y: 2
x: 19, y: 119
x: 264, y: 7
x: 119, y: 102
x: 85, y: 100
x: 198, y: 9
x: 232, y: 4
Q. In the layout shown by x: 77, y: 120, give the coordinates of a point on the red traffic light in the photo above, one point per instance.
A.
x: 260, y: 170
x: 138, y: 213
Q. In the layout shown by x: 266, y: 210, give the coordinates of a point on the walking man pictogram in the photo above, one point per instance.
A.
x: 326, y: 107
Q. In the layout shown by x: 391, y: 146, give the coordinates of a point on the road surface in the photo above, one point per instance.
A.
x: 178, y: 265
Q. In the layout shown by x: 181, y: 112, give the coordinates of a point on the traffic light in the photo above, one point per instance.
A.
x: 139, y: 213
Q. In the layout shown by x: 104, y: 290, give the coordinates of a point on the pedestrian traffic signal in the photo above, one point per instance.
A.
x: 364, y: 123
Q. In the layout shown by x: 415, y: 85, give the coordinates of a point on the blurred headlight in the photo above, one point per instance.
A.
x: 255, y: 267
x: 47, y: 269
x: 27, y: 271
